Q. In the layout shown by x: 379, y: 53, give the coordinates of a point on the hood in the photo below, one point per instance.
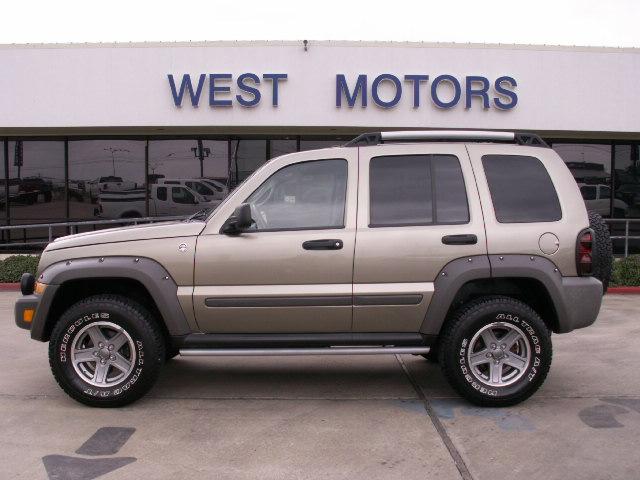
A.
x: 129, y: 234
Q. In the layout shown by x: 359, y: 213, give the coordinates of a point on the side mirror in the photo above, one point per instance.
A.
x: 239, y: 221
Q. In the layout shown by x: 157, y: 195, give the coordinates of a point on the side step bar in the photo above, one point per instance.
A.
x: 244, y: 352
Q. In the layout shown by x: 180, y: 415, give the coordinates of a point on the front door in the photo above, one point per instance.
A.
x: 292, y: 271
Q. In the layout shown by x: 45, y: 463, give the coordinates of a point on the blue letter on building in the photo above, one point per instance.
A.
x: 477, y: 92
x: 456, y: 91
x: 186, y: 84
x: 342, y: 87
x: 251, y: 90
x: 275, y: 78
x: 213, y: 89
x: 376, y: 84
x: 505, y: 93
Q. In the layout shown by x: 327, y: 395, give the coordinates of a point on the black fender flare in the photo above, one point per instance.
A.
x: 149, y: 273
x: 576, y: 300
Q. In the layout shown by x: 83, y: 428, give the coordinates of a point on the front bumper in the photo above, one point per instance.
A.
x: 26, y: 302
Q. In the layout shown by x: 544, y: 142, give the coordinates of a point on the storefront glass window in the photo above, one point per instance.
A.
x: 36, y: 186
x: 315, y: 144
x: 626, y: 201
x: 103, y: 172
x: 282, y: 147
x: 247, y: 156
x: 590, y: 164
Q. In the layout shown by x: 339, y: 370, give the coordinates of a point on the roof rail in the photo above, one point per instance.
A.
x: 377, y: 138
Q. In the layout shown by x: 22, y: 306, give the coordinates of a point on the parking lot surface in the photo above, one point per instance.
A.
x: 358, y: 417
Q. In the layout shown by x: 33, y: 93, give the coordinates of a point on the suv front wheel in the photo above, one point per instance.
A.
x: 106, y: 351
x: 495, y: 351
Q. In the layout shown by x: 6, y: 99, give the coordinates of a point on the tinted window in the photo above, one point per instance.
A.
x: 521, y: 189
x: 303, y: 195
x: 161, y: 193
x: 605, y: 192
x: 588, y: 193
x: 182, y: 195
x: 417, y: 190
x: 450, y: 192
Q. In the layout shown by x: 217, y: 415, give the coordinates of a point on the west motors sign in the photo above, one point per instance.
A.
x: 384, y: 90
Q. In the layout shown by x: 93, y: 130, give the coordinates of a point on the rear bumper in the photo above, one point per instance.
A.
x: 581, y: 300
x: 22, y: 304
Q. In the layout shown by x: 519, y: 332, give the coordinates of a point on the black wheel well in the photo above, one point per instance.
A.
x: 527, y: 290
x: 73, y: 291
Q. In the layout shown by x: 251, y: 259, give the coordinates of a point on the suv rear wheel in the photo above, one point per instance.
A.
x: 495, y: 351
x: 106, y: 351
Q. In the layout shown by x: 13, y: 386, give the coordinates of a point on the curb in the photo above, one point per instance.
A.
x: 9, y: 287
x: 624, y: 290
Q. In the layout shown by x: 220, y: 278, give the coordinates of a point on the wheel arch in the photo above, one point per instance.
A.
x: 533, y: 280
x: 141, y: 279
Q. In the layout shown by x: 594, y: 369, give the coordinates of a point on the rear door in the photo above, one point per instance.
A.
x: 418, y: 209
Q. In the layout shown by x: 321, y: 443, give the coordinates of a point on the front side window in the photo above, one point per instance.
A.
x: 309, y: 195
x: 521, y: 189
x: 182, y: 195
x: 409, y: 190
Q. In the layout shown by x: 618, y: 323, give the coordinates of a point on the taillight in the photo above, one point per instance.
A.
x: 584, y: 253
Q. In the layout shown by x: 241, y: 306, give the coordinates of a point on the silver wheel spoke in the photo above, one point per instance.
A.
x: 515, y: 361
x: 495, y: 371
x: 118, y: 340
x: 509, y: 339
x: 100, y: 375
x: 479, y: 358
x: 96, y: 335
x: 489, y: 338
x: 121, y: 363
x: 84, y: 355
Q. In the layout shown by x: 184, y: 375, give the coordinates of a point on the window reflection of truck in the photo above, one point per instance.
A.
x: 163, y: 200
x: 108, y: 184
x: 210, y: 189
x: 26, y: 190
x: 597, y: 198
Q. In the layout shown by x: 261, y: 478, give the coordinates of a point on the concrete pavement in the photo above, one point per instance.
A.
x: 330, y: 417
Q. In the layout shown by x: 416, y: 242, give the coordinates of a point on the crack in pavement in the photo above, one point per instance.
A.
x: 442, y: 432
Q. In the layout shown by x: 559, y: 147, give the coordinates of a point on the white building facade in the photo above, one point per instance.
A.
x: 135, y: 114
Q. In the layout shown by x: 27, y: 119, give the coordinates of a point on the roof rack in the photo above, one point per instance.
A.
x: 377, y: 138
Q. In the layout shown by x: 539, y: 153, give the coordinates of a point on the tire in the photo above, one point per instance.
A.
x: 602, y: 250
x: 464, y: 335
x: 100, y: 317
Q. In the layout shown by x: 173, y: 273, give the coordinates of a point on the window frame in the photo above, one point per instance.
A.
x: 434, y: 208
x: 299, y: 229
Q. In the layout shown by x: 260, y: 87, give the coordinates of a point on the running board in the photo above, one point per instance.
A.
x: 244, y: 352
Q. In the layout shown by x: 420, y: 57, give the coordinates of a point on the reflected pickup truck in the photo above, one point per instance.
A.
x: 466, y: 247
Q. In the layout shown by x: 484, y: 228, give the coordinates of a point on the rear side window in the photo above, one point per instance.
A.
x: 161, y: 193
x: 416, y: 190
x: 521, y: 189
